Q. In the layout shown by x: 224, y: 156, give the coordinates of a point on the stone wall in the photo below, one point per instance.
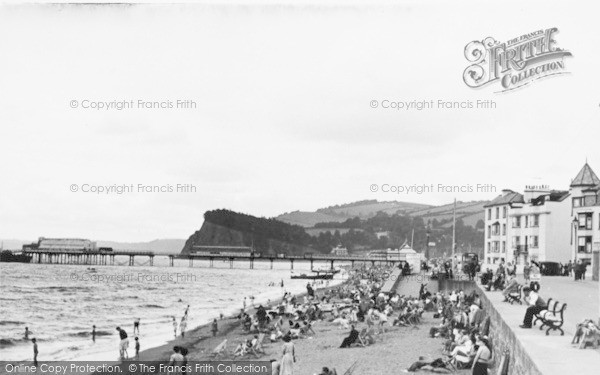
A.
x: 501, y: 335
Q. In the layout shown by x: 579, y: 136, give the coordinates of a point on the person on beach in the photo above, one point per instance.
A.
x: 176, y: 358
x: 26, y: 333
x: 35, y: 351
x: 137, y: 348
x: 123, y: 344
x: 184, y: 352
x: 94, y: 333
x: 186, y: 311
x: 183, y: 325
x: 244, y: 304
x: 136, y: 326
x: 275, y: 367
x: 174, y: 327
x: 214, y: 327
x: 288, y: 358
x: 482, y: 357
x: 351, y: 339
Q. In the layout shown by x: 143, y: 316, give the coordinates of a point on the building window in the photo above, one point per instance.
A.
x: 517, y: 222
x: 504, y: 210
x: 536, y: 221
x: 489, y: 247
x: 526, y: 221
x: 534, y: 241
x: 489, y: 214
x: 497, y: 212
x: 504, y: 246
x: 504, y: 229
x: 489, y: 231
x: 584, y: 244
x: 585, y: 220
x: 516, y: 242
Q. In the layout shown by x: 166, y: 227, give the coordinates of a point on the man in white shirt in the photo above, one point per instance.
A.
x: 536, y: 304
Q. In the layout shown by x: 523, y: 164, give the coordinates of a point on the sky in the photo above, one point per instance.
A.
x: 283, y: 118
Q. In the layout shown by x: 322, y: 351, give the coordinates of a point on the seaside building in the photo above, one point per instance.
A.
x: 338, y: 250
x: 62, y: 244
x: 497, y: 228
x: 585, y: 199
x: 529, y: 226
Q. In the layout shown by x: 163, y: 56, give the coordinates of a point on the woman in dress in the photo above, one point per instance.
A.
x: 289, y: 357
x: 482, y: 357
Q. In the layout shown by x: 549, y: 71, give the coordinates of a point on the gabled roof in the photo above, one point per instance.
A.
x: 585, y: 177
x: 507, y: 198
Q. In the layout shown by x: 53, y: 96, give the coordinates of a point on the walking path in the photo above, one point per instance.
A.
x: 554, y: 354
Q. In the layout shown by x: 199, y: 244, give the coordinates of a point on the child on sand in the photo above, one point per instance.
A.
x: 137, y: 348
x: 174, y: 327
x: 35, y: 351
x: 214, y: 327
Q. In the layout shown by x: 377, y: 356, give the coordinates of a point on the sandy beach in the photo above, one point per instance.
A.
x: 395, y: 349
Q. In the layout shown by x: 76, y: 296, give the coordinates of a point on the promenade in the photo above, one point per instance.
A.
x: 554, y: 354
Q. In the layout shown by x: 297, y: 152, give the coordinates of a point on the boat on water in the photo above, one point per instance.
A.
x: 315, y: 275
x: 9, y: 256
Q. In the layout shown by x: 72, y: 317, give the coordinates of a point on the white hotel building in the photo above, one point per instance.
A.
x: 534, y: 225
x: 585, y: 198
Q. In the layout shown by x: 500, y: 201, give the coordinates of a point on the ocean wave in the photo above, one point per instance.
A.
x: 151, y: 306
x: 89, y: 333
x: 10, y: 322
x: 7, y: 342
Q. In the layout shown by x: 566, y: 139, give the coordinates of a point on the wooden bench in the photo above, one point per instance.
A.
x: 552, y: 317
x: 516, y: 296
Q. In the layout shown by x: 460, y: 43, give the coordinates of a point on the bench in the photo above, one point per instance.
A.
x: 516, y: 296
x: 552, y: 317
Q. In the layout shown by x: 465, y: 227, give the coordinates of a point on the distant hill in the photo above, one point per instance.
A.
x: 339, y: 213
x: 309, y: 219
x: 265, y: 236
x: 469, y: 212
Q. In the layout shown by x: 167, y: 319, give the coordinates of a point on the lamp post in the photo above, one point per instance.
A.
x: 575, y: 244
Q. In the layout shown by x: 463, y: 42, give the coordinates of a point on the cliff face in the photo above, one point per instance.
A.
x: 217, y: 235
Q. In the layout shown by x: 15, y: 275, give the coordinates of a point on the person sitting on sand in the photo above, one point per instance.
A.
x: 241, y: 349
x: 276, y: 334
x: 351, y: 339
x: 342, y: 322
x: 327, y: 371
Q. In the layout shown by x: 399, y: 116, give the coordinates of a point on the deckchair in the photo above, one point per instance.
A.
x: 257, y: 347
x: 221, y: 349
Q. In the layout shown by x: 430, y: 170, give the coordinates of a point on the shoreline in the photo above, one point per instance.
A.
x: 194, y: 337
x: 203, y: 332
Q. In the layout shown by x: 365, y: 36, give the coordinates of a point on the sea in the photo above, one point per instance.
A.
x: 60, y: 303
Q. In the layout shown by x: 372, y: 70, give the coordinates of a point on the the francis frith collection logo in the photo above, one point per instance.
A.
x: 515, y: 63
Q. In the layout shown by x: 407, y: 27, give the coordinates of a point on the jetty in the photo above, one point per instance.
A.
x: 68, y: 256
x: 291, y: 259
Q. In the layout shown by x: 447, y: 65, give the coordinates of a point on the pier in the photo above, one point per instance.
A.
x: 86, y: 257
x: 331, y: 259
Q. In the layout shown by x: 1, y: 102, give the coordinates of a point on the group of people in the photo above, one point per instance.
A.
x: 464, y: 327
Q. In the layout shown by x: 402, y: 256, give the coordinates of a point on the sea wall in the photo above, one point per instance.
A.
x: 501, y: 335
